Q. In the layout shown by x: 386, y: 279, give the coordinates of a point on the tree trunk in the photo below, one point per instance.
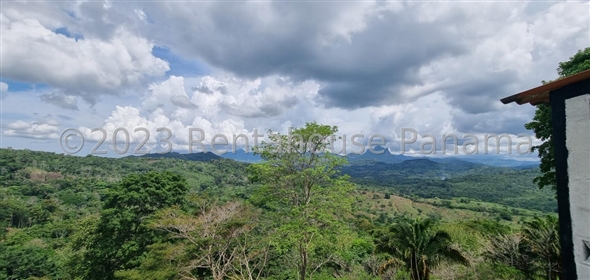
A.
x: 303, y: 266
x: 414, y: 268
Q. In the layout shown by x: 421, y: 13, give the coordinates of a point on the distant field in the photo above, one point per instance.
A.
x: 426, y: 179
x: 373, y: 204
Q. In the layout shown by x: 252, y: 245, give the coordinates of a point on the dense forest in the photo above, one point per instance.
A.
x: 294, y: 215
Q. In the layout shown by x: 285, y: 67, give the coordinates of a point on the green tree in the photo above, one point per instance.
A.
x: 541, y: 237
x: 159, y: 263
x: 79, y: 242
x: 542, y: 124
x: 487, y: 228
x: 302, y: 185
x: 534, y: 251
x: 419, y: 246
x: 122, y: 236
x: 33, y: 259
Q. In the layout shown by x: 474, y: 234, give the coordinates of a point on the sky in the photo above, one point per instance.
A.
x: 87, y: 69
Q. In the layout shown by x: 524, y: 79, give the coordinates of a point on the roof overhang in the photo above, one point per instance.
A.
x: 540, y: 94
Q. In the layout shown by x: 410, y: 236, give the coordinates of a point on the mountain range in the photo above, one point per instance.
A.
x: 482, y: 177
x: 381, y: 154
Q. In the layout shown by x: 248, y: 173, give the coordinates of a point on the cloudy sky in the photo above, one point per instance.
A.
x: 368, y: 67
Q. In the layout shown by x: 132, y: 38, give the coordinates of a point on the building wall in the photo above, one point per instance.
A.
x: 578, y: 162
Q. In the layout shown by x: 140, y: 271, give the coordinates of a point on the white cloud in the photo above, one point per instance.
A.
x: 18, y: 125
x: 267, y: 97
x: 43, y: 128
x: 221, y: 108
x: 367, y: 67
x: 33, y: 53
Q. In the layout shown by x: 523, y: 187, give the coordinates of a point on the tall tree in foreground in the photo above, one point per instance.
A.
x: 301, y: 184
x: 542, y: 123
x: 122, y: 236
x: 419, y: 246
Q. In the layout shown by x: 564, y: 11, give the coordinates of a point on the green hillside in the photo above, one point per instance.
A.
x: 68, y: 217
x: 425, y: 178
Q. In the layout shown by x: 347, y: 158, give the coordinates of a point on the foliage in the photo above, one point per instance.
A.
x: 541, y: 238
x: 542, y: 123
x: 58, y: 212
x: 33, y: 259
x: 534, y: 251
x: 302, y: 186
x: 488, y: 228
x: 422, y: 178
x: 216, y: 241
x: 159, y: 263
x: 509, y: 250
x: 121, y: 237
x: 419, y: 246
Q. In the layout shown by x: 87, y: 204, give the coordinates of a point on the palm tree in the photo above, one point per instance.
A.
x: 541, y: 237
x: 419, y: 246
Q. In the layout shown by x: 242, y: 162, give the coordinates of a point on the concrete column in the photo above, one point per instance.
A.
x: 577, y: 110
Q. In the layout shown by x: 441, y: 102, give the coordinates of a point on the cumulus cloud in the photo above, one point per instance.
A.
x: 367, y: 67
x: 474, y: 52
x: 267, y: 97
x: 225, y: 110
x: 356, y: 63
x: 86, y: 67
x: 165, y: 94
x: 162, y: 118
x: 366, y: 53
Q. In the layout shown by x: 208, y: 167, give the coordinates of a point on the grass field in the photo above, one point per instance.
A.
x: 374, y: 204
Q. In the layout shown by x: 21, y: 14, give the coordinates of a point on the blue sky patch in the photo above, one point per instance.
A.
x: 64, y: 31
x: 14, y: 86
x: 9, y: 116
x: 178, y: 65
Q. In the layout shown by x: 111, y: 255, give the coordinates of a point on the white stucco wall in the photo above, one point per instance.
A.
x: 578, y: 162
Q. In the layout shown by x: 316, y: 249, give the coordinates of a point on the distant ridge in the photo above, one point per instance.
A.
x: 479, y: 159
x: 208, y: 156
x: 242, y: 156
x: 382, y: 154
